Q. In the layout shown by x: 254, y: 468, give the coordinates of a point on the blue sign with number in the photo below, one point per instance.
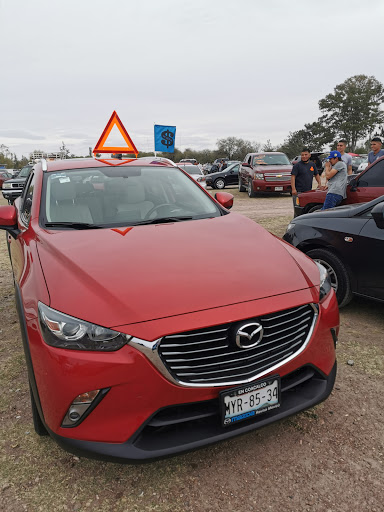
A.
x: 165, y: 138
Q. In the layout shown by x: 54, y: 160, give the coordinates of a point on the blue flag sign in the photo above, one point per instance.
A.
x: 165, y: 138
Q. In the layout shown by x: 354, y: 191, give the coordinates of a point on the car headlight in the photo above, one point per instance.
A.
x: 64, y: 331
x: 258, y: 176
x: 325, y: 281
x: 7, y: 185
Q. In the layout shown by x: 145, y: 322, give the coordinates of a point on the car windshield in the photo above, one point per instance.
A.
x: 122, y: 196
x: 268, y: 159
x: 25, y: 171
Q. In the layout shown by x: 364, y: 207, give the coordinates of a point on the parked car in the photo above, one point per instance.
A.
x: 221, y: 179
x: 366, y: 186
x: 188, y: 161
x: 4, y: 176
x: 349, y: 242
x: 134, y: 349
x: 195, y: 172
x: 317, y: 157
x: 357, y: 160
x: 13, y: 187
x: 265, y: 172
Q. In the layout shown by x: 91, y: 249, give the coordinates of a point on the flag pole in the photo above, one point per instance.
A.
x: 154, y: 141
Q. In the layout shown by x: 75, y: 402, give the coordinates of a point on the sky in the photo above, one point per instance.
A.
x: 253, y: 69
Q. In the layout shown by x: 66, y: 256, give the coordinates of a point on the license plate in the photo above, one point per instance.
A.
x: 278, y: 189
x: 249, y: 400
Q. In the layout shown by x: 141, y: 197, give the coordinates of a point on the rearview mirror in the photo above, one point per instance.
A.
x: 377, y: 213
x: 224, y: 199
x: 8, y: 220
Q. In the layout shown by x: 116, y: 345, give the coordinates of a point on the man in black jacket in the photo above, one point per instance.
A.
x: 302, y: 174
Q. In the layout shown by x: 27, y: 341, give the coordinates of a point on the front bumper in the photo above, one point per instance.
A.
x: 185, y: 427
x: 146, y: 416
x: 11, y: 194
x: 271, y: 186
x: 298, y: 210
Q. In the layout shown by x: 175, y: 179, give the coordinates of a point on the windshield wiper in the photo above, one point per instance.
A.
x: 74, y: 225
x: 162, y: 220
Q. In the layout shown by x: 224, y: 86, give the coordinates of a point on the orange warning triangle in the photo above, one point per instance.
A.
x: 115, y: 121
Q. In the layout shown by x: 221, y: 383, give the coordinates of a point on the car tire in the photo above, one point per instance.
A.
x: 241, y: 186
x: 315, y: 208
x: 219, y: 183
x: 250, y: 191
x: 38, y: 425
x: 338, y: 273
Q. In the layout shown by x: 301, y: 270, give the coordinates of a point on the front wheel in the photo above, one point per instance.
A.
x: 315, y: 208
x: 338, y: 274
x: 219, y: 183
x: 250, y: 191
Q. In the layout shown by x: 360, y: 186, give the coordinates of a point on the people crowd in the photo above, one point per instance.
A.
x: 336, y: 170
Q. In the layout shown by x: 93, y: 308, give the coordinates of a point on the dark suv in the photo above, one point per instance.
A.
x: 13, y: 188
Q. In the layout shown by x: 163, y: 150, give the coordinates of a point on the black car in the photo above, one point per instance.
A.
x: 230, y: 176
x: 13, y: 188
x: 349, y: 242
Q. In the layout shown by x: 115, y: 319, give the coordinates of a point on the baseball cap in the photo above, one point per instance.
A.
x: 334, y: 154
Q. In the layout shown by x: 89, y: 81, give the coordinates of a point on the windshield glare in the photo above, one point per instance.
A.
x: 123, y: 196
x: 265, y: 159
x: 191, y: 169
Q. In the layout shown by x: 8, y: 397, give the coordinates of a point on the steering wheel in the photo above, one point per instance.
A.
x: 154, y: 209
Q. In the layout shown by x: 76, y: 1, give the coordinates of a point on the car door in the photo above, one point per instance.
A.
x: 233, y: 175
x: 370, y: 184
x: 370, y: 245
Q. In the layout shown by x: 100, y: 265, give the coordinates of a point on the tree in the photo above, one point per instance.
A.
x: 236, y: 149
x: 353, y: 111
x: 268, y: 146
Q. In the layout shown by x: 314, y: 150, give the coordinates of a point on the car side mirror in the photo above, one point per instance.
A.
x: 244, y: 164
x: 353, y: 184
x: 377, y: 213
x: 224, y: 199
x: 8, y: 220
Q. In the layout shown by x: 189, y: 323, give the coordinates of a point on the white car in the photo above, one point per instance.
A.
x: 362, y: 166
x: 194, y: 171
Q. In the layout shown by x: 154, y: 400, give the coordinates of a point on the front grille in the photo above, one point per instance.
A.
x: 277, y: 177
x: 211, y: 356
x: 17, y: 185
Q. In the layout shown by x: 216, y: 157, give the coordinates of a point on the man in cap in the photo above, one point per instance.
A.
x: 336, y: 174
x: 376, y: 152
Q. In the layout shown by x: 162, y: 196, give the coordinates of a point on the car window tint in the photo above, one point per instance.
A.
x: 374, y: 177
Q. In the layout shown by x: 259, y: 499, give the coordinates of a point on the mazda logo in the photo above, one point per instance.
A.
x: 249, y: 335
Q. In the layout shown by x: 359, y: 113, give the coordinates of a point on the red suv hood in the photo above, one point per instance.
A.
x: 157, y: 271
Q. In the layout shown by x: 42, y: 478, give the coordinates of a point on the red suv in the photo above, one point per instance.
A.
x: 265, y: 172
x: 134, y: 349
x: 368, y: 185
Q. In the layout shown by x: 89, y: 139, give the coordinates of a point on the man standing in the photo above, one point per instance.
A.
x: 376, y: 152
x: 347, y: 159
x: 336, y: 174
x: 302, y: 174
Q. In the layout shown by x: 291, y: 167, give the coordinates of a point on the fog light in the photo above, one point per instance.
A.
x: 82, y: 406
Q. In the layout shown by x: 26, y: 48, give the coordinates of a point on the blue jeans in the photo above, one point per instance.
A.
x: 332, y: 200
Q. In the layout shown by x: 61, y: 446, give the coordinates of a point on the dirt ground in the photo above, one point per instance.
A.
x: 327, y: 459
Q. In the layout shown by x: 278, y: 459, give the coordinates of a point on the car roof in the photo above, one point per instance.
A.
x: 84, y: 163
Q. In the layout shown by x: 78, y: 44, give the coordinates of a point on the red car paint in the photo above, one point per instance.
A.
x: 149, y: 284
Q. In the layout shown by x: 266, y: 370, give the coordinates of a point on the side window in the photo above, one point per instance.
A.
x: 235, y: 170
x: 374, y: 177
x: 26, y: 203
x: 250, y: 160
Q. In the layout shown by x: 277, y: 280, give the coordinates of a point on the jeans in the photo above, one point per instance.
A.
x: 332, y: 200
